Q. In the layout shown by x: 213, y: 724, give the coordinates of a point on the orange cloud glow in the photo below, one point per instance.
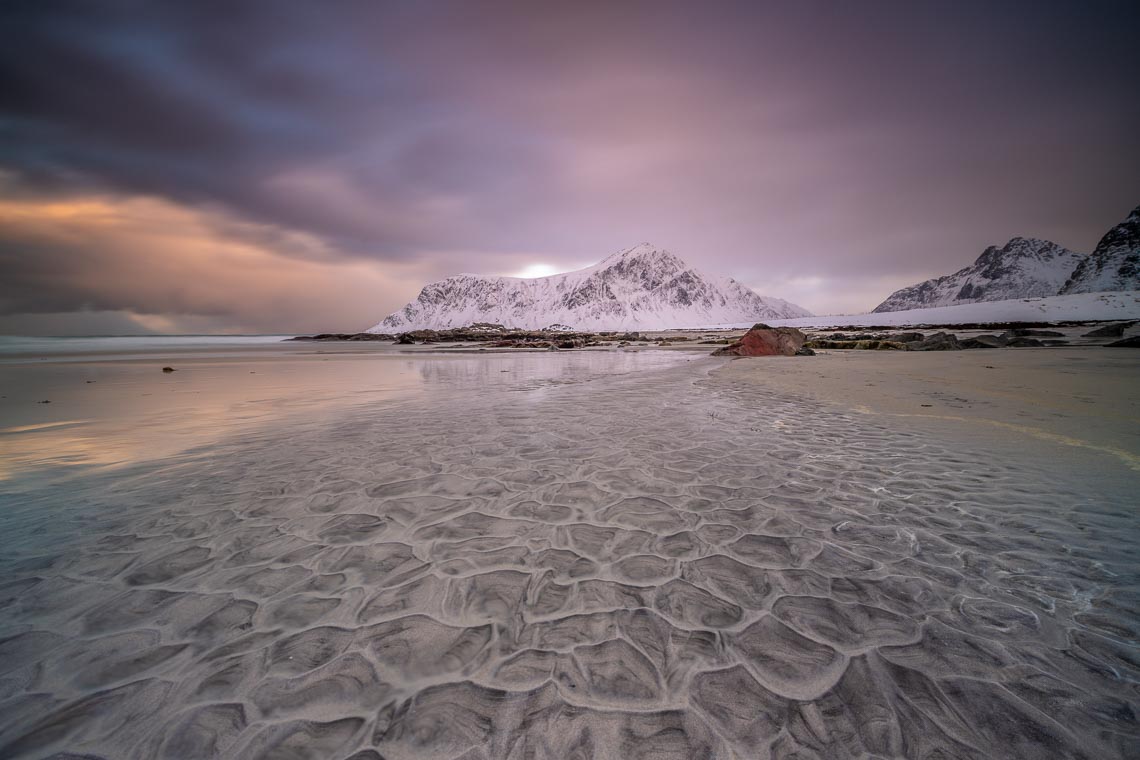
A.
x: 174, y: 268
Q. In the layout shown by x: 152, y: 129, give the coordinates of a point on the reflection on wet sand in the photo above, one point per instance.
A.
x: 116, y: 413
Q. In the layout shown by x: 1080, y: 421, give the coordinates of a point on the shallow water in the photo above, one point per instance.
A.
x: 597, y: 554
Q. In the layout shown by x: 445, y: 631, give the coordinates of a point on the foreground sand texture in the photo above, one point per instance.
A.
x: 676, y: 562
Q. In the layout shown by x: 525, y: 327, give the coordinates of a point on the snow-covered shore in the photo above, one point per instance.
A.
x: 1079, y: 307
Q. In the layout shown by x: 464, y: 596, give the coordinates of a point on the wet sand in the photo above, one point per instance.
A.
x: 612, y: 555
x: 1082, y: 397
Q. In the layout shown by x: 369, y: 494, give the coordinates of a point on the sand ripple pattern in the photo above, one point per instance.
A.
x: 648, y: 567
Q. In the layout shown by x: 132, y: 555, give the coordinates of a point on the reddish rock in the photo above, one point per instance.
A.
x: 763, y: 340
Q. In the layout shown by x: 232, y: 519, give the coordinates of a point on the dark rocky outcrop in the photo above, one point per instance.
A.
x: 985, y: 341
x: 873, y: 344
x: 939, y: 341
x: 762, y: 340
x: 487, y: 335
x: 345, y: 337
x: 1133, y: 342
x: 1109, y: 331
x: 1027, y: 332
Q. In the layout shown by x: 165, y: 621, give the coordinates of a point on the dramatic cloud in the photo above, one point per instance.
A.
x: 824, y: 153
x: 172, y: 269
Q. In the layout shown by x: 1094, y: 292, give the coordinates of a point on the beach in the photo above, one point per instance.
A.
x: 370, y: 551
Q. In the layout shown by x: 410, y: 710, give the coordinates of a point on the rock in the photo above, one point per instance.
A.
x: 404, y: 340
x: 344, y: 336
x: 939, y: 341
x: 858, y: 345
x: 805, y: 351
x: 168, y: 369
x: 1024, y: 332
x: 1109, y: 331
x: 985, y: 341
x: 1133, y: 342
x: 763, y: 340
x: 905, y: 337
x: 1024, y: 343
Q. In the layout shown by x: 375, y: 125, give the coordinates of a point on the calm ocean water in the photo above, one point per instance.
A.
x: 24, y: 345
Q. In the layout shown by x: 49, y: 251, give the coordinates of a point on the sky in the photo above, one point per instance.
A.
x: 265, y: 167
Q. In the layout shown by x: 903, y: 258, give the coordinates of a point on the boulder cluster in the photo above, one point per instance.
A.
x: 939, y: 341
x: 762, y: 340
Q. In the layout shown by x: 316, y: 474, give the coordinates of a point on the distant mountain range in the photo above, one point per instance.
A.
x: 640, y: 288
x: 1031, y: 268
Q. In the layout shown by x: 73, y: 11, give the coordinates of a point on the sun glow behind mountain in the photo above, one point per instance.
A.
x: 532, y: 271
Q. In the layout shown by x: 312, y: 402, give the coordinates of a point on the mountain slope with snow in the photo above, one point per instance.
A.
x: 1079, y: 307
x: 1023, y: 268
x: 640, y: 288
x: 1114, y: 263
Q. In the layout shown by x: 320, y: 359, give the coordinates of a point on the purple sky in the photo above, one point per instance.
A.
x: 219, y: 166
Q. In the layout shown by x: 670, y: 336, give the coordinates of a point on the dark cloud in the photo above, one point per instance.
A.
x: 825, y: 152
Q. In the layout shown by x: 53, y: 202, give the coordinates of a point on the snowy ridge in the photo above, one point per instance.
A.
x: 1023, y: 268
x: 1027, y: 268
x: 640, y: 288
x: 1081, y: 307
x: 1114, y: 263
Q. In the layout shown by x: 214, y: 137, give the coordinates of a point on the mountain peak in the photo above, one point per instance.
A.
x: 1022, y: 268
x: 639, y: 288
x: 1115, y: 262
x: 636, y: 252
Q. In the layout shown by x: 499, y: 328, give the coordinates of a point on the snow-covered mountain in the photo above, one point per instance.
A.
x: 1023, y: 268
x: 1116, y: 305
x: 641, y: 288
x: 1114, y: 264
x: 1031, y: 268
